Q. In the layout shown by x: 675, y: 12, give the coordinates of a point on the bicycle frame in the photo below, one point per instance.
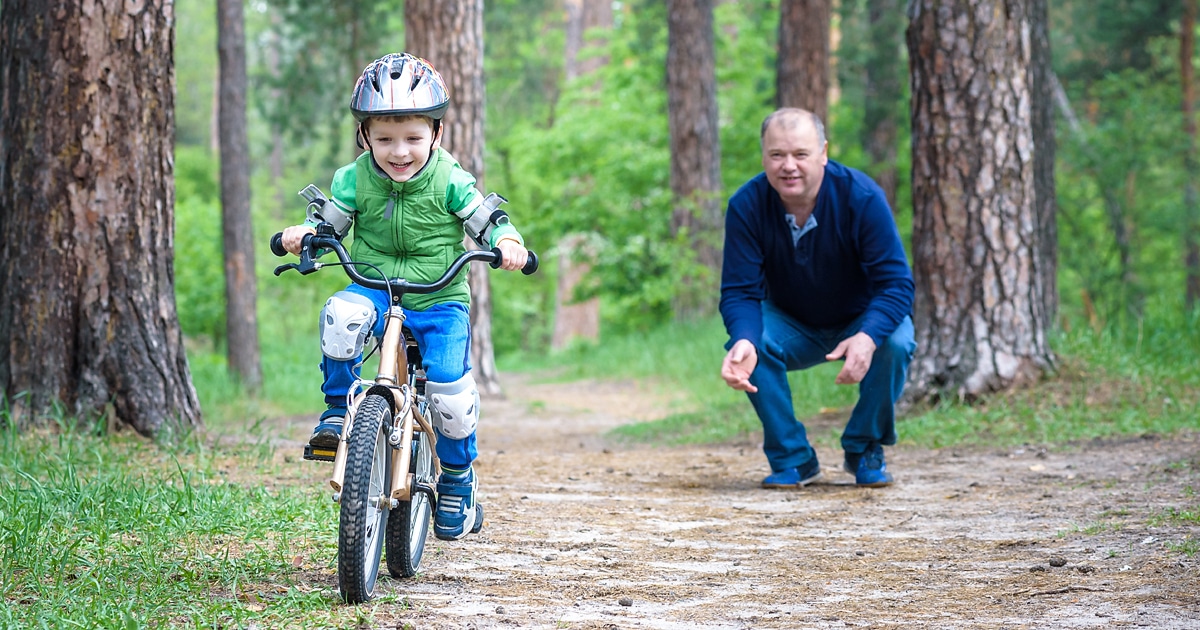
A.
x: 406, y: 417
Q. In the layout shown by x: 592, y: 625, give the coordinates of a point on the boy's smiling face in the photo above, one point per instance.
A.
x: 401, y: 148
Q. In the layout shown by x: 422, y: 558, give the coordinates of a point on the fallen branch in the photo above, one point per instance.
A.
x: 1068, y: 589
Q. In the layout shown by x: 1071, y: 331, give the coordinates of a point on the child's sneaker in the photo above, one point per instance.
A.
x: 457, y: 512
x: 328, y: 432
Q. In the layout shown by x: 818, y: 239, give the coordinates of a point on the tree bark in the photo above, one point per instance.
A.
x: 1191, y: 205
x: 980, y: 310
x: 802, y: 66
x: 450, y: 35
x: 241, y: 288
x: 1041, y: 85
x: 87, y: 301
x: 695, y: 150
x: 884, y: 90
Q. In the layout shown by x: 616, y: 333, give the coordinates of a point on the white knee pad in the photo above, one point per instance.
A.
x: 455, y: 406
x: 346, y: 323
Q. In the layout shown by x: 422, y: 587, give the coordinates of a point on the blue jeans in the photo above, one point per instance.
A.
x: 789, y: 345
x: 443, y: 332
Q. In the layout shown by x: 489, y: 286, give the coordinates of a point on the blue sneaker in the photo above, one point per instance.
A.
x: 794, y: 477
x: 457, y: 512
x: 328, y: 432
x: 869, y: 468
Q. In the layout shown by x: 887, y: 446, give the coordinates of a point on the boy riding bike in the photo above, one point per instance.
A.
x: 410, y: 203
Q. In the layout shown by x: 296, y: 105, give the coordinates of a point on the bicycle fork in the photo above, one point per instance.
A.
x: 406, y: 418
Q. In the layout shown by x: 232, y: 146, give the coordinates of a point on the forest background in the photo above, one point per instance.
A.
x: 572, y: 160
x: 225, y: 528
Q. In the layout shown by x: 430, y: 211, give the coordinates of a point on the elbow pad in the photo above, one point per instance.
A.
x: 321, y: 209
x: 481, y: 218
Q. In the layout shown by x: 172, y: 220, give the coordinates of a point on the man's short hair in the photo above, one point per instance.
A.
x: 791, y: 115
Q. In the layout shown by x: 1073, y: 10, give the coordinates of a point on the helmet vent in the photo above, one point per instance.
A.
x: 397, y: 68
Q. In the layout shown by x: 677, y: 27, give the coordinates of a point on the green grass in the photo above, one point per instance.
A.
x: 1109, y: 383
x: 116, y: 532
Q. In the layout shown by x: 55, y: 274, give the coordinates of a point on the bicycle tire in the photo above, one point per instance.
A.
x: 408, y: 525
x: 361, y: 522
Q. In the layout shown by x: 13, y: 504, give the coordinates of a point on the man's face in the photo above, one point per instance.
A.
x: 794, y: 158
x: 401, y: 148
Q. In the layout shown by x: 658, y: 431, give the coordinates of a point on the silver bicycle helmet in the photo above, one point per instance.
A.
x: 399, y: 84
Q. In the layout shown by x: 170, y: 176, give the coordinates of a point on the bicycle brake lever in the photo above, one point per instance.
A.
x: 306, y: 265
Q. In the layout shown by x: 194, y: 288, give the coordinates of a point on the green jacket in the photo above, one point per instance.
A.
x: 409, y: 229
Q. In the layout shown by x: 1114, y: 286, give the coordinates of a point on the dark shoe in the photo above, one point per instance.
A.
x: 328, y: 432
x: 794, y: 477
x: 871, y: 470
x: 850, y: 463
x: 457, y: 513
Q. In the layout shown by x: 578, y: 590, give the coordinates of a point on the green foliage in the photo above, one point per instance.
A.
x: 1095, y: 38
x: 305, y: 60
x: 602, y: 167
x: 199, y: 273
x: 1120, y: 191
x: 195, y: 70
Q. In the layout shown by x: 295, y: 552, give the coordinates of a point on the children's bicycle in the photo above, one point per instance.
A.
x: 385, y: 467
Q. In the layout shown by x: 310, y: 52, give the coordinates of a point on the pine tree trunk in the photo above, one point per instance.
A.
x: 695, y: 150
x: 1041, y: 86
x: 241, y: 286
x: 1191, y: 205
x: 884, y: 89
x: 450, y: 35
x: 802, y: 65
x: 980, y: 310
x: 87, y: 299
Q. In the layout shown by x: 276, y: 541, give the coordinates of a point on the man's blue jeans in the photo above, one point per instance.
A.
x: 789, y: 345
x: 443, y: 332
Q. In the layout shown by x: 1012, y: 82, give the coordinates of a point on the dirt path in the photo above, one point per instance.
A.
x: 585, y: 534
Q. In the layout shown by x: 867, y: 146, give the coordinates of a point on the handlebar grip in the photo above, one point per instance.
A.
x: 277, y: 245
x: 531, y: 265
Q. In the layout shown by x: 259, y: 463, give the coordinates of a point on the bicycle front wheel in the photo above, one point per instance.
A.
x: 409, y: 524
x: 366, y: 495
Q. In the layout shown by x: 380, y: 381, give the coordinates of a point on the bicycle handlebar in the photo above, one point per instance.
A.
x: 325, y: 239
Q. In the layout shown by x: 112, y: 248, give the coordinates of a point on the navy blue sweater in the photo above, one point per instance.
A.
x: 852, y: 263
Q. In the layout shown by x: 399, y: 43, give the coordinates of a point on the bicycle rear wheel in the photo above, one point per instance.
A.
x: 366, y: 494
x: 408, y: 526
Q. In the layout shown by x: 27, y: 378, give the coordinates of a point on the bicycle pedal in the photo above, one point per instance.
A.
x: 318, y: 454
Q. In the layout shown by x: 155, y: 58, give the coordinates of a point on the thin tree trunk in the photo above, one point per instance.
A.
x: 1041, y: 86
x: 1191, y: 205
x: 450, y: 35
x: 241, y: 287
x: 695, y: 150
x: 87, y: 297
x: 884, y: 91
x: 979, y: 311
x: 802, y: 65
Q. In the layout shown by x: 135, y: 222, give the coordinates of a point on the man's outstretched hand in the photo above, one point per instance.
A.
x: 739, y: 364
x: 857, y: 351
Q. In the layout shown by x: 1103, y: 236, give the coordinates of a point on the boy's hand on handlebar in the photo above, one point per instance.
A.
x: 515, y: 254
x: 293, y: 237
